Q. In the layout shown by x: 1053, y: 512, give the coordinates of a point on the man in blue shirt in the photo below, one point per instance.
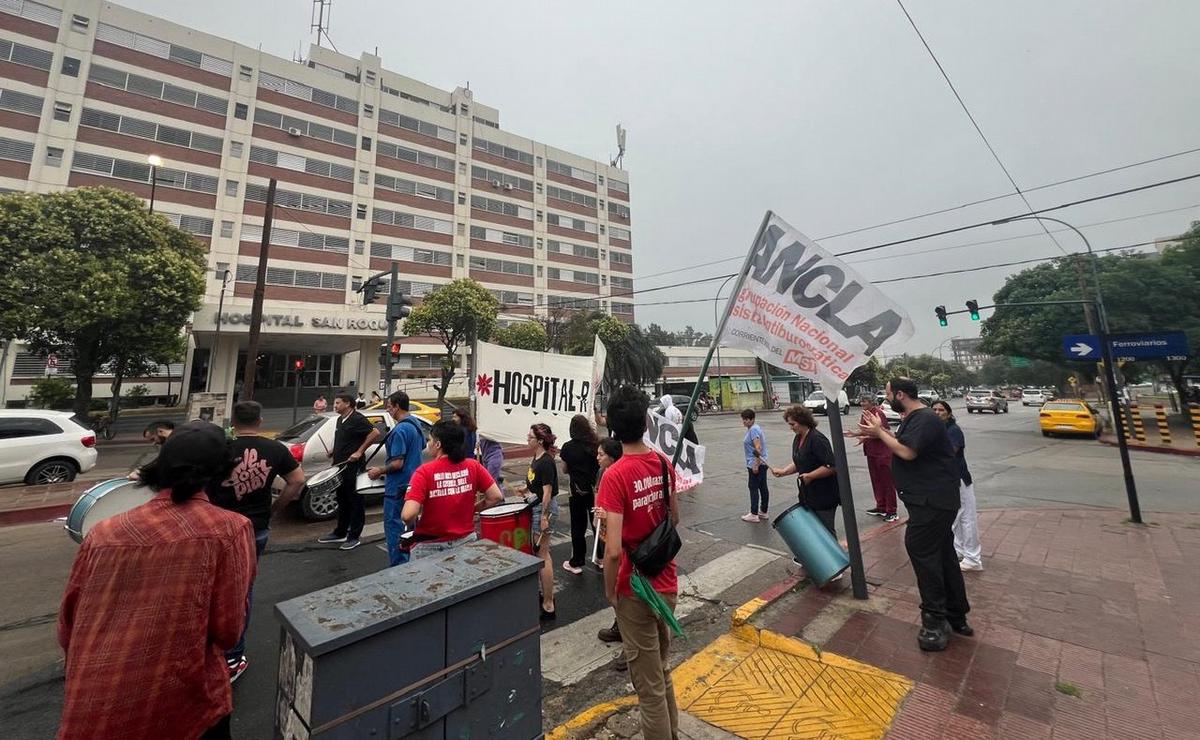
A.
x: 405, y: 443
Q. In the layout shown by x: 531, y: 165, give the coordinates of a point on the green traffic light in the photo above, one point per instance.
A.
x: 973, y: 309
x: 943, y: 322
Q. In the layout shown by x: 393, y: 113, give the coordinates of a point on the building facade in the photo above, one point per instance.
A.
x: 371, y: 167
x: 966, y: 352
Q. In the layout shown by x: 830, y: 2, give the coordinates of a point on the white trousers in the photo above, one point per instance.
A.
x: 966, y: 526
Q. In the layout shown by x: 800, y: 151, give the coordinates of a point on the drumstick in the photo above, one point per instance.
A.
x: 596, y: 539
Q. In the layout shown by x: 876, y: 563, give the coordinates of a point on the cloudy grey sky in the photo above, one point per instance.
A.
x: 829, y: 112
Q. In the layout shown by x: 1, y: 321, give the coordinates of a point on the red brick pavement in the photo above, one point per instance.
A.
x: 1075, y: 596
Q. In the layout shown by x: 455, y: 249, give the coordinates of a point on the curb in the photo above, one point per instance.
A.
x: 1153, y: 448
x: 34, y: 514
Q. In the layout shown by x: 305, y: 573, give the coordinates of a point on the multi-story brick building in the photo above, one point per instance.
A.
x: 372, y: 167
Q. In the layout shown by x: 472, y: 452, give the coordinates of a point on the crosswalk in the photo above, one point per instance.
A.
x: 571, y: 652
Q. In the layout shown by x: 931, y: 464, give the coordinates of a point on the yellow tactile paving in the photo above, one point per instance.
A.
x: 778, y: 687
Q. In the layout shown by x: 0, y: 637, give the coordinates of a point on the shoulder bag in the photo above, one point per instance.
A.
x: 655, y: 553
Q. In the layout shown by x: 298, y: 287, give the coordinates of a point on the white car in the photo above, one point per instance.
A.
x: 311, y: 443
x: 38, y: 447
x: 892, y: 416
x: 816, y: 402
x: 1033, y: 397
x: 929, y: 397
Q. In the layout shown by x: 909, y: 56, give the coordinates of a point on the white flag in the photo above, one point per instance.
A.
x: 800, y: 308
x: 599, y: 360
x: 517, y: 388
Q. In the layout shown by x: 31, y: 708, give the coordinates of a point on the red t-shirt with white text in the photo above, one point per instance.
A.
x: 446, y: 492
x: 632, y: 487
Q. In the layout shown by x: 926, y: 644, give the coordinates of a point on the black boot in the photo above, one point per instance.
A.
x: 961, y: 627
x: 610, y: 634
x: 934, y: 634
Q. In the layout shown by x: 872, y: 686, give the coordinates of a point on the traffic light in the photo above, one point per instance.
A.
x: 389, y: 352
x: 395, y: 353
x: 973, y: 308
x: 370, y: 290
x: 299, y: 365
x: 941, y: 314
x: 399, y: 306
x: 383, y: 355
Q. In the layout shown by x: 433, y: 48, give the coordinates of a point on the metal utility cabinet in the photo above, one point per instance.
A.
x: 442, y: 647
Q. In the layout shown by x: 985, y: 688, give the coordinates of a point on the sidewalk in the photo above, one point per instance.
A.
x: 1085, y: 626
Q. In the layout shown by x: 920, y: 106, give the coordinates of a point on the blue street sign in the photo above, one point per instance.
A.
x: 1167, y: 345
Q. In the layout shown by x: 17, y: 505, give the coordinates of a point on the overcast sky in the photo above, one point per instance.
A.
x: 830, y: 113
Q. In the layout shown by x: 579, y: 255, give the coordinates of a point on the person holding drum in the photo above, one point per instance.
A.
x: 541, y: 484
x: 156, y: 434
x: 443, y: 494
x: 353, y: 436
x: 404, y: 446
x: 813, y: 460
x: 155, y: 597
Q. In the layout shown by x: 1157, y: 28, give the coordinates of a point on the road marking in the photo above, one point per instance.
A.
x: 572, y: 652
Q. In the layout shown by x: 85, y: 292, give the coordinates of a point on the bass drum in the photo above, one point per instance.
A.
x: 367, y: 487
x: 102, y: 501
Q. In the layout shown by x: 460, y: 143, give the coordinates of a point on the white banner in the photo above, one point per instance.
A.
x: 663, y: 436
x: 516, y: 388
x: 802, y: 309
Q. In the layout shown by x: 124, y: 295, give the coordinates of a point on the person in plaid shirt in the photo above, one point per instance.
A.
x: 155, y: 598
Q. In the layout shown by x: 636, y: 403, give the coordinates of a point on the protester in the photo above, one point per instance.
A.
x: 632, y: 496
x: 754, y: 444
x: 155, y: 597
x: 579, y: 462
x: 541, y: 484
x: 673, y: 414
x: 404, y: 444
x: 359, y: 403
x: 491, y: 454
x: 966, y: 524
x: 376, y: 398
x: 156, y: 433
x: 610, y: 452
x: 353, y: 436
x: 927, y: 480
x: 812, y: 459
x: 463, y: 416
x: 444, y: 494
x: 320, y: 404
x: 258, y: 461
x: 879, y: 463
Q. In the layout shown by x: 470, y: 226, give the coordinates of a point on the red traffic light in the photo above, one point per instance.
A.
x: 299, y: 365
x: 395, y: 349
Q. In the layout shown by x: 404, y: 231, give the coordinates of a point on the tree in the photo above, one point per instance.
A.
x: 528, y: 335
x: 90, y: 273
x: 659, y: 335
x: 633, y: 359
x: 51, y: 392
x: 454, y: 314
x: 868, y: 376
x: 140, y: 353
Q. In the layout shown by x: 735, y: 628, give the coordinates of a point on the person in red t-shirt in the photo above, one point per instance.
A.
x: 444, y: 493
x: 631, y: 497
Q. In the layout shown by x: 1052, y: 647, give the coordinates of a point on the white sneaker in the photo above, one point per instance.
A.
x: 968, y: 565
x: 571, y: 568
x: 750, y: 517
x: 763, y: 517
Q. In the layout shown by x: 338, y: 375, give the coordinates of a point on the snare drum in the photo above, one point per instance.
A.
x: 324, y: 481
x: 367, y: 487
x: 102, y: 501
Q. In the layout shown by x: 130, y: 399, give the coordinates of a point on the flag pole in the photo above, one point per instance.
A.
x: 712, y: 348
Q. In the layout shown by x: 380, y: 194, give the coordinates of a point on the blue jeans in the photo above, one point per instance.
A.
x: 759, y: 496
x: 393, y: 527
x: 260, y: 544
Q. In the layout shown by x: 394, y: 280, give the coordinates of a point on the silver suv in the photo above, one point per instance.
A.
x: 986, y: 399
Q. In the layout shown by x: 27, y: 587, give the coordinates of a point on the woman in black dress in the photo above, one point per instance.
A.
x: 579, y: 462
x: 541, y: 482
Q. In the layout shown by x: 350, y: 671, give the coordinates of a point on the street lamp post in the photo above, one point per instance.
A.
x: 212, y: 356
x: 1110, y: 378
x: 717, y: 323
x: 155, y: 162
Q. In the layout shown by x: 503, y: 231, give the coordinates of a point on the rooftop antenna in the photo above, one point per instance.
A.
x: 616, y: 162
x: 321, y: 11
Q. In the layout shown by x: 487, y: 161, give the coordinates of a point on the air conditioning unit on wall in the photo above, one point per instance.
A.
x: 293, y: 131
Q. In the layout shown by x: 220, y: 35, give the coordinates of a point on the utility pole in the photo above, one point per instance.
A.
x: 212, y: 355
x: 393, y: 291
x: 260, y: 289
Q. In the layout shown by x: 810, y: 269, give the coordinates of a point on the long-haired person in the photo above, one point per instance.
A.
x: 463, y: 417
x: 579, y: 462
x: 966, y: 524
x: 541, y: 481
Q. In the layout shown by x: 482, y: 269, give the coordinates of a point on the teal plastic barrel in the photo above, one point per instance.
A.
x: 811, y: 543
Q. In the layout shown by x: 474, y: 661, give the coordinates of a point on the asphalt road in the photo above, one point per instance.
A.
x: 1013, y: 465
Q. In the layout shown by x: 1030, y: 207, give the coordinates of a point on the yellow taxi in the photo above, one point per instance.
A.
x: 1069, y: 416
x: 416, y: 408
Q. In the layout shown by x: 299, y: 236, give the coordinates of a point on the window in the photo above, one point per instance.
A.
x: 231, y: 188
x: 462, y: 168
x: 419, y: 189
x: 149, y: 130
x: 461, y: 229
x: 297, y: 163
x: 359, y: 246
x: 366, y: 143
x: 410, y: 254
x: 20, y: 427
x: 245, y: 73
x: 306, y: 239
x: 618, y: 210
x: 62, y: 111
x: 300, y: 201
x: 80, y: 23
x: 570, y: 196
x: 462, y: 198
x: 501, y: 207
x: 490, y: 264
x: 620, y: 258
x: 395, y: 151
x: 28, y: 56
x: 539, y: 162
x: 411, y: 221
x: 577, y: 250
x: 235, y: 149
x: 370, y: 77
x: 618, y: 186
x: 304, y: 92
x: 360, y: 211
x: 568, y: 171
x: 241, y: 111
x: 539, y: 188
x: 462, y: 139
x: 501, y: 237
x: 501, y: 180
x: 364, y: 177
x: 618, y: 233
x: 568, y: 222
x: 163, y: 49
x: 368, y: 111
x: 156, y: 89
x: 416, y: 125
x: 20, y: 102
x: 140, y: 172
x: 54, y: 156
x: 539, y: 270
x: 301, y: 127
x: 227, y: 229
x: 458, y: 260
x: 287, y: 276
x: 600, y: 179
x: 506, y: 152
x: 220, y: 271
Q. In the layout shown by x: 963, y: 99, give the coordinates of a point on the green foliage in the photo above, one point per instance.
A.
x: 869, y: 376
x: 688, y: 337
x: 634, y: 360
x: 51, y: 393
x: 137, y: 391
x: 611, y: 330
x: 90, y: 272
x: 454, y: 314
x: 528, y: 335
x: 928, y: 371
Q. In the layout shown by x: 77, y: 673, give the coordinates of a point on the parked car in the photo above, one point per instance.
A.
x: 39, y: 447
x: 928, y: 396
x: 1050, y: 393
x: 311, y: 443
x: 816, y: 402
x: 1069, y: 417
x: 682, y: 402
x: 1033, y: 397
x: 986, y: 399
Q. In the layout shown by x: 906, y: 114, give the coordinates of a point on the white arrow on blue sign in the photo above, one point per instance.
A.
x: 1170, y: 345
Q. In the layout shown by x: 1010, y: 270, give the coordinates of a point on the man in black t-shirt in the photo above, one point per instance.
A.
x: 353, y: 436
x: 247, y: 490
x: 926, y: 474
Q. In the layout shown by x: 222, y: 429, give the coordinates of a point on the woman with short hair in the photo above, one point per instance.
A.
x: 813, y: 461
